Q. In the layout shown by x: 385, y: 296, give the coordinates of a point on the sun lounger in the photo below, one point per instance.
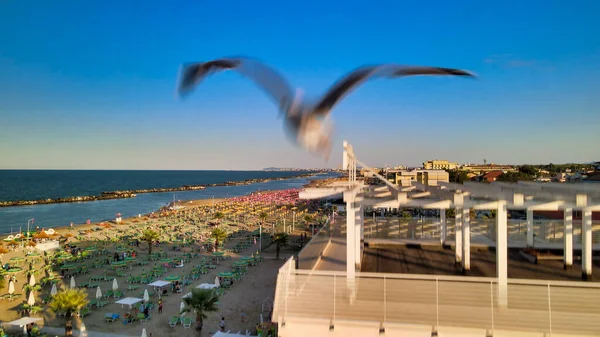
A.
x: 173, y: 321
x: 187, y: 322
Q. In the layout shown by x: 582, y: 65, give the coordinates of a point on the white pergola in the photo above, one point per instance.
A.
x: 463, y: 197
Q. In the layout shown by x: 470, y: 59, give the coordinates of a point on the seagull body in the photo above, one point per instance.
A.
x: 307, y: 122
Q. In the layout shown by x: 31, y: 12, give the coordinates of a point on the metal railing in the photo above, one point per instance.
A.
x: 313, y: 250
x: 464, y: 302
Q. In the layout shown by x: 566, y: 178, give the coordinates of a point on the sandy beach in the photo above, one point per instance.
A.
x: 184, y: 235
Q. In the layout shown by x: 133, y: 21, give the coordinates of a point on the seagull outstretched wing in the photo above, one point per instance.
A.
x: 358, y: 76
x: 275, y: 85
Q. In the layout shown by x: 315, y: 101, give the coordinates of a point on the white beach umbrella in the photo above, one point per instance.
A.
x: 146, y: 296
x: 217, y: 283
x: 31, y: 299
x: 53, y: 291
x: 181, y: 307
x: 98, y: 293
x: 72, y: 282
x: 11, y: 287
x: 115, y: 285
x: 143, y: 332
x: 82, y: 330
x: 32, y: 280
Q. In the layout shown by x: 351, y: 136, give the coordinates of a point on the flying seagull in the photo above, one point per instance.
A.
x: 306, y: 121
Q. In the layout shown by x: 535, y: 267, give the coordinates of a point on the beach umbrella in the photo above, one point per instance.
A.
x: 32, y: 280
x: 143, y: 332
x: 53, y: 291
x: 115, y: 285
x: 217, y: 283
x: 98, y: 293
x: 82, y: 330
x: 11, y: 287
x: 72, y: 285
x: 181, y: 307
x: 31, y: 299
x: 146, y: 296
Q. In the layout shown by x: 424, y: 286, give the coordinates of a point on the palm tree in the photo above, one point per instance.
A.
x: 218, y: 216
x: 263, y: 217
x: 219, y: 234
x: 2, y: 252
x: 69, y: 301
x: 201, y: 301
x: 150, y: 236
x: 281, y: 239
x: 29, y: 288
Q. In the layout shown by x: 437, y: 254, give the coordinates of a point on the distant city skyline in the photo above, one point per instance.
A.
x: 92, y: 85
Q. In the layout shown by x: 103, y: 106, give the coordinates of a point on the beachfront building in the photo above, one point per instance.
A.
x: 427, y: 177
x: 438, y: 164
x: 345, y: 282
x: 483, y: 169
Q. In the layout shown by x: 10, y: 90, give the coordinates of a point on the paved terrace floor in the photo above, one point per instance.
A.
x: 428, y: 257
x: 435, y: 260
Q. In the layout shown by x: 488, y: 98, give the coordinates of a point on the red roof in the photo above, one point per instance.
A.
x: 492, y: 175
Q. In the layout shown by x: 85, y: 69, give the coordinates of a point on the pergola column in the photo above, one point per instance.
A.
x: 443, y: 225
x: 568, y: 238
x: 586, y: 245
x: 502, y: 253
x: 466, y: 229
x: 350, y: 235
x: 529, y: 228
x: 358, y: 235
x: 458, y: 212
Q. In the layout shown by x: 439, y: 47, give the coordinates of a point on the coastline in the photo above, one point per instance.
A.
x: 133, y: 193
x: 125, y: 221
x: 143, y: 217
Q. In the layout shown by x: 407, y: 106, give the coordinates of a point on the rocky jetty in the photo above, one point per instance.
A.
x: 133, y: 193
x: 103, y: 196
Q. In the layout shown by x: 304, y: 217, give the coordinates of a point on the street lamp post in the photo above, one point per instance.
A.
x: 260, y: 238
x: 28, y: 222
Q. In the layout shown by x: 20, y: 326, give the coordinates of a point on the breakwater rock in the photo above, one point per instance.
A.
x: 133, y: 193
x: 103, y: 196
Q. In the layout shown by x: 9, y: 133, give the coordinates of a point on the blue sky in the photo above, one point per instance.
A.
x: 91, y: 84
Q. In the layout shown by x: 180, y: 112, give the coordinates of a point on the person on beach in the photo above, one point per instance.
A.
x: 222, y: 324
x: 160, y: 305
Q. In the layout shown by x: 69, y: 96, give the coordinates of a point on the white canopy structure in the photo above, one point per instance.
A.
x: 159, y: 283
x: 24, y: 321
x: 208, y: 286
x: 496, y: 196
x: 128, y: 301
x: 231, y: 334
